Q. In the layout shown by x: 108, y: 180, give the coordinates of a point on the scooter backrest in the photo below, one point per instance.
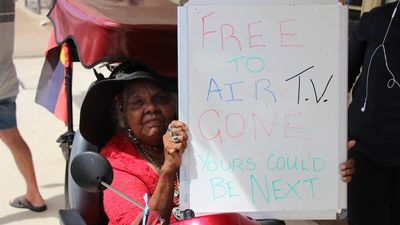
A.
x: 89, y: 205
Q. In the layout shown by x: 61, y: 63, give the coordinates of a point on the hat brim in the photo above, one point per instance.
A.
x: 96, y: 124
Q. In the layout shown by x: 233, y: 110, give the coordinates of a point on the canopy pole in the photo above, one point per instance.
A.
x: 67, y: 138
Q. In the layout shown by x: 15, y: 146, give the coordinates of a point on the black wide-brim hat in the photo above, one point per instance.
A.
x: 96, y: 116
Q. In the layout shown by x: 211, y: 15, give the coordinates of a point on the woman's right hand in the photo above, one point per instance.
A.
x: 175, y: 143
x: 347, y: 168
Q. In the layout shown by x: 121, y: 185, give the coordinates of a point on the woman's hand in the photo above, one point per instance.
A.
x: 175, y: 143
x: 162, y: 198
x: 347, y: 168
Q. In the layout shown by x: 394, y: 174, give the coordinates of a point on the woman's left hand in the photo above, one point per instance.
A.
x: 347, y: 168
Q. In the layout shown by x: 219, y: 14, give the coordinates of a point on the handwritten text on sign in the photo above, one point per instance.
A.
x: 262, y: 105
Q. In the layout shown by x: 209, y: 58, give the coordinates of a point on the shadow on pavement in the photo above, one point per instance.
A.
x: 53, y: 205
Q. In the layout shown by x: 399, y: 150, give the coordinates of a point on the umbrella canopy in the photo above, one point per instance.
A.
x: 111, y: 30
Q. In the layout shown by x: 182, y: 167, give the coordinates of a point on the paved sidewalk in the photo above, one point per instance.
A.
x: 30, y: 35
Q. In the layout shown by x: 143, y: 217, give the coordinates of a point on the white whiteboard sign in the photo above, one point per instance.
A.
x: 263, y: 90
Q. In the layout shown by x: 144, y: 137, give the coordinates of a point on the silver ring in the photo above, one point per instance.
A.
x: 175, y: 139
x: 172, y: 131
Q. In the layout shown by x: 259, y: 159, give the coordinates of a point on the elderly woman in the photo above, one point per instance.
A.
x: 145, y: 156
x: 145, y: 148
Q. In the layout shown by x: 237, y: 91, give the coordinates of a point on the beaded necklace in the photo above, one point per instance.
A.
x: 139, y: 146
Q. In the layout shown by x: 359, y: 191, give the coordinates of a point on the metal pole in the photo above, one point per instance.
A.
x: 68, y: 83
x: 113, y: 189
x: 38, y: 7
x: 67, y: 138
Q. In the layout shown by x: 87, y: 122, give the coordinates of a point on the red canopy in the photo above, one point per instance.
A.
x: 112, y: 30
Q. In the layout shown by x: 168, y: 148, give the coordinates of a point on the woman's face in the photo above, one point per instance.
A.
x: 148, y: 110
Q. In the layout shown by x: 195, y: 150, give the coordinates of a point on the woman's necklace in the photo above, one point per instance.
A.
x: 140, y: 147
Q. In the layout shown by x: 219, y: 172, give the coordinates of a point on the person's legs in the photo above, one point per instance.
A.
x: 10, y: 135
x: 23, y: 158
x: 368, y: 192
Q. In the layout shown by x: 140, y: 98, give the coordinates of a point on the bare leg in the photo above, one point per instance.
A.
x: 23, y: 158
